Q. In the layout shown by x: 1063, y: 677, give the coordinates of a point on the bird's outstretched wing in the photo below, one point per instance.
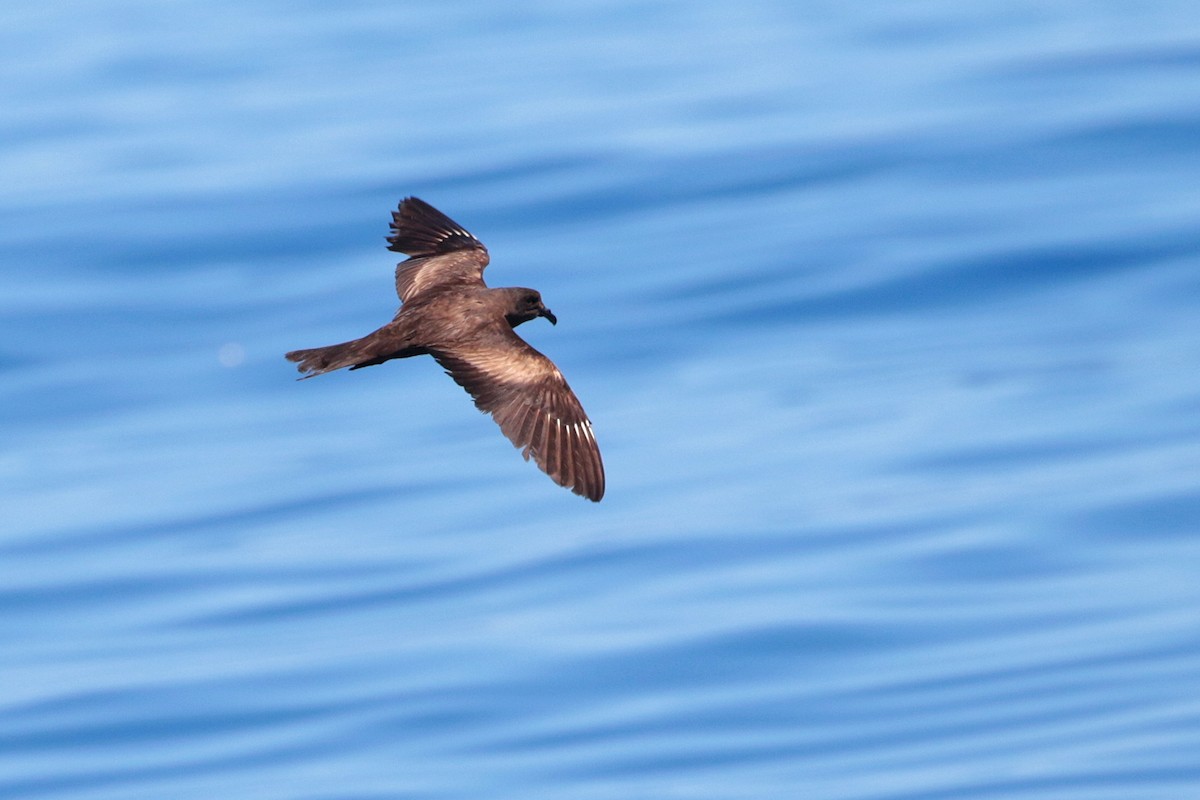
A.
x: 443, y: 252
x: 535, y: 408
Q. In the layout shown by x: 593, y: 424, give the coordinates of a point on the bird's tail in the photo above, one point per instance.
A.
x: 367, y: 351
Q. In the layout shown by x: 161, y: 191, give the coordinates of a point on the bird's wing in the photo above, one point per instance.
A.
x: 443, y: 252
x: 535, y: 408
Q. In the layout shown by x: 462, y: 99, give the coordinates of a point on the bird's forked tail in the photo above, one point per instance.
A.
x: 367, y: 351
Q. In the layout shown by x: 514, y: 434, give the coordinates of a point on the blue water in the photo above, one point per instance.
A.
x: 887, y: 316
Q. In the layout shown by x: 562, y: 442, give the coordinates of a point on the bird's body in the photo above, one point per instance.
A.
x: 448, y: 312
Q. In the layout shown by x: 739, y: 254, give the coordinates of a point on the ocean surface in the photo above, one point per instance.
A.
x: 887, y: 316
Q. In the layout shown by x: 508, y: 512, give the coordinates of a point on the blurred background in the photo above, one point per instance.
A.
x: 887, y: 316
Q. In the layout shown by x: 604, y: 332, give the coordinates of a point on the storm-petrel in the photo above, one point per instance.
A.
x: 448, y: 312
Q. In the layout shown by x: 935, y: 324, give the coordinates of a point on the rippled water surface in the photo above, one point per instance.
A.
x: 887, y: 316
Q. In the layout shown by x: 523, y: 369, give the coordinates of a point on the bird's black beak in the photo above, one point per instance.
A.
x: 548, y: 314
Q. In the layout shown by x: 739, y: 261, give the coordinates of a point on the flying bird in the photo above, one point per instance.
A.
x: 448, y: 312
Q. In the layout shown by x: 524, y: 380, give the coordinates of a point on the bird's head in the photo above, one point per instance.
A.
x: 526, y: 304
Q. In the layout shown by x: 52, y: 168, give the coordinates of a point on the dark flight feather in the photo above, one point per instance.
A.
x: 419, y: 229
x: 443, y: 252
x: 534, y: 406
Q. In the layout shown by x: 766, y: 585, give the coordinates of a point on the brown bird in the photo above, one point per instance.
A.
x: 448, y: 312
